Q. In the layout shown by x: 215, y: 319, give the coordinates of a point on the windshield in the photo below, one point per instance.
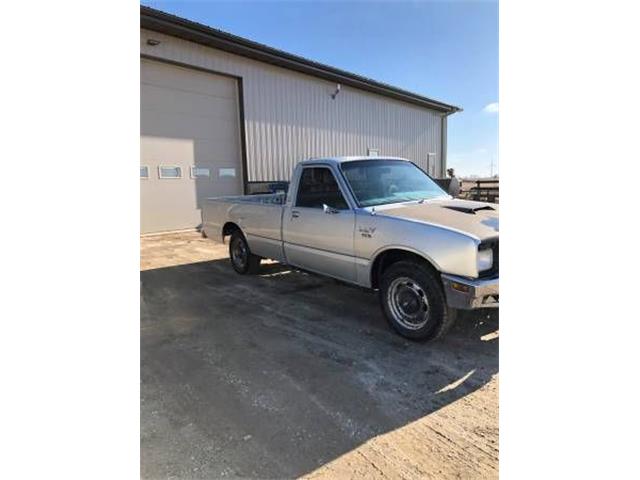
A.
x: 377, y: 182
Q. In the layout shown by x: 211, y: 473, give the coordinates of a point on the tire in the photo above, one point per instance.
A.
x: 413, y: 302
x: 242, y: 260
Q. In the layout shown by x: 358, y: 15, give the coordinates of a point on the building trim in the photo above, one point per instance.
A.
x: 443, y: 147
x: 159, y: 21
x: 243, y: 138
x: 242, y: 132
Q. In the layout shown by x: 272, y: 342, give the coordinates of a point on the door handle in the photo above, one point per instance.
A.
x: 295, y: 214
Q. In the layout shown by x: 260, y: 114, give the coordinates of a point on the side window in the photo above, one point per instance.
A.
x: 169, y: 171
x: 318, y: 186
x: 199, y: 172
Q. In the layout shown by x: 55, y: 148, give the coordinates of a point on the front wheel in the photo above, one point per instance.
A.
x: 413, y: 301
x: 242, y: 260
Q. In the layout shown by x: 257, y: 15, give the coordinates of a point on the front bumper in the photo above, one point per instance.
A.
x: 468, y: 294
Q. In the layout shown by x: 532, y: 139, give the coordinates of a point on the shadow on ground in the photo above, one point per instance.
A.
x: 272, y: 376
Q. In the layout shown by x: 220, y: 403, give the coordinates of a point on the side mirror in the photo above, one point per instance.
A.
x: 329, y: 210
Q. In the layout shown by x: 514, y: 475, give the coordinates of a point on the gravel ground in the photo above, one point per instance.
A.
x: 287, y: 374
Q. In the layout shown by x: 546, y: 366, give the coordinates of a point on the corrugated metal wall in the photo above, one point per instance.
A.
x: 290, y: 116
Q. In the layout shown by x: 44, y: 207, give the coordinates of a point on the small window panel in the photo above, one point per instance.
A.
x: 200, y: 172
x: 373, y: 152
x: 144, y: 172
x: 227, y: 172
x: 169, y: 171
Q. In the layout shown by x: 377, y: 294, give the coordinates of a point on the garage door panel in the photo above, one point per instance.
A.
x: 180, y: 125
x: 168, y: 211
x: 187, y: 118
x: 167, y: 100
x: 222, y: 155
x: 165, y: 150
x: 186, y: 79
x: 188, y: 152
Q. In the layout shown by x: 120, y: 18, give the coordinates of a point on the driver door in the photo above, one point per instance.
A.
x: 318, y: 226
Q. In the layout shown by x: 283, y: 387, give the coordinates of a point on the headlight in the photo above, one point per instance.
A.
x: 485, y: 259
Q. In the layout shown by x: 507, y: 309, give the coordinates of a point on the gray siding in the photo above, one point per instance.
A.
x: 290, y: 116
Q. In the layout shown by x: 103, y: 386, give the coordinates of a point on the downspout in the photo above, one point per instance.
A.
x: 443, y: 141
x: 443, y: 146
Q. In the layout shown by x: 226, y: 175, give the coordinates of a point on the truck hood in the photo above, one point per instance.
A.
x: 478, y: 219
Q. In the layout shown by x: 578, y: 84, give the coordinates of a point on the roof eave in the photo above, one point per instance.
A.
x: 162, y: 22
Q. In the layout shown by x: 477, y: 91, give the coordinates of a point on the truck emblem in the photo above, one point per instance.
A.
x: 367, y: 232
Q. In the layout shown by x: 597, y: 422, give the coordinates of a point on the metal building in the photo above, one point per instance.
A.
x: 220, y: 114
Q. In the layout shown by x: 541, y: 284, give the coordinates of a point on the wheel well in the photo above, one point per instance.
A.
x: 229, y: 228
x: 389, y: 257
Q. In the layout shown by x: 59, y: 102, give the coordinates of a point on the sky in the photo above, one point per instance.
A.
x: 444, y: 49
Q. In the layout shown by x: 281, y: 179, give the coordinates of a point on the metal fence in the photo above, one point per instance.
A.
x: 481, y: 189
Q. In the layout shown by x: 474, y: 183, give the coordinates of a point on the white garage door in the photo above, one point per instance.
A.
x: 189, y: 145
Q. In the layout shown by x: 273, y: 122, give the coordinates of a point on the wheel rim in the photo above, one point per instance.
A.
x: 408, y: 303
x: 239, y: 253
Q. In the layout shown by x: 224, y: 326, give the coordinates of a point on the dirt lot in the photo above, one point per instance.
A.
x: 286, y: 374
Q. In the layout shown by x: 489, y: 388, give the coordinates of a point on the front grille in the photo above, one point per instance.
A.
x: 494, y: 270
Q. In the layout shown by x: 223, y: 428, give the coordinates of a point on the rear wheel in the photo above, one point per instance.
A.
x: 242, y: 260
x: 413, y: 301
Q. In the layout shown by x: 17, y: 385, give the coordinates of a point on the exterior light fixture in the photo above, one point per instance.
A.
x: 335, y: 94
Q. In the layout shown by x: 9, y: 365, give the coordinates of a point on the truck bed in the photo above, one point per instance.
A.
x: 259, y: 216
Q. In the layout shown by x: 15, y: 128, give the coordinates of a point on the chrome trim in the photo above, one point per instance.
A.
x: 482, y: 293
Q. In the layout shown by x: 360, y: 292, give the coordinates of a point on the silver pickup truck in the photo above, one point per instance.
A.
x: 380, y: 223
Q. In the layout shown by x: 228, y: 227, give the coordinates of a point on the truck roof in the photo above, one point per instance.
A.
x: 338, y: 160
